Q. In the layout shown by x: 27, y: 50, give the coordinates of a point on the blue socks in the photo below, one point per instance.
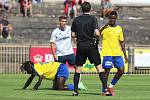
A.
x: 70, y: 87
x: 114, y: 81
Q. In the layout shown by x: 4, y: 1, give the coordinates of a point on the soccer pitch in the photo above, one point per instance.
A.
x: 130, y: 87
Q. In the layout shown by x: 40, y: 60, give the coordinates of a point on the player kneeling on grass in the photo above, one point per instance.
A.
x: 50, y: 70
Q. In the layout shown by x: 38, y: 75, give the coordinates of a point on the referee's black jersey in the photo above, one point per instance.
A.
x: 84, y: 27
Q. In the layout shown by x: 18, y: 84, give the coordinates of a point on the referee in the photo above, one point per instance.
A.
x: 85, y: 30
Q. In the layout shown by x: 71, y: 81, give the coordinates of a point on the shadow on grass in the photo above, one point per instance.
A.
x: 36, y: 90
x: 59, y: 94
x: 87, y: 93
x: 80, y: 94
x: 45, y: 89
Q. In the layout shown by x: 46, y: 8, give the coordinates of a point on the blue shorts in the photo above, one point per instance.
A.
x: 62, y: 71
x: 110, y: 61
x: 67, y: 58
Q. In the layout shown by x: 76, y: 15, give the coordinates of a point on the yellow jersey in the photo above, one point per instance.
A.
x: 47, y: 69
x: 111, y: 37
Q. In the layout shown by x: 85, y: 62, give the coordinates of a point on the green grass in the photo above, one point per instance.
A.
x: 130, y: 87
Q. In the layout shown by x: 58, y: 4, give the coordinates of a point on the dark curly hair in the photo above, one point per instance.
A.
x: 113, y: 13
x: 28, y: 67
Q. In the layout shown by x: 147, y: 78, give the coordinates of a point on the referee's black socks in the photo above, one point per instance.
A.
x: 76, y: 81
x: 103, y: 79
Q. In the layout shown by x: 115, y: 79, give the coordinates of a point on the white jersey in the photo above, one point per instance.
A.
x: 62, y: 39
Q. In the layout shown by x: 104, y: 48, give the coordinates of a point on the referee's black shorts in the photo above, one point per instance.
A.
x: 87, y: 50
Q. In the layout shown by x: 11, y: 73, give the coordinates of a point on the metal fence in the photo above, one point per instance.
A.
x: 12, y: 56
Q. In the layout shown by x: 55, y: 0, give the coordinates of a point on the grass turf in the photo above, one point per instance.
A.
x: 130, y: 87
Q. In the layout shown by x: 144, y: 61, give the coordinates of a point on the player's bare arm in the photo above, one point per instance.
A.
x: 29, y: 81
x: 53, y: 46
x: 97, y: 33
x: 38, y: 83
x: 122, y: 43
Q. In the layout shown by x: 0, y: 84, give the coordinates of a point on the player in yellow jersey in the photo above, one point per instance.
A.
x: 113, y: 47
x: 51, y: 70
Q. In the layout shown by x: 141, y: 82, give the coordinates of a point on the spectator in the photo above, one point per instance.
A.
x: 106, y: 8
x: 70, y: 9
x: 7, y: 5
x: 5, y: 28
x: 1, y: 6
x: 26, y: 8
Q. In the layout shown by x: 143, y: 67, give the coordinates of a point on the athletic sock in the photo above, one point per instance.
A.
x: 114, y: 81
x: 111, y: 86
x: 76, y: 81
x: 103, y: 90
x: 103, y: 80
x: 70, y: 87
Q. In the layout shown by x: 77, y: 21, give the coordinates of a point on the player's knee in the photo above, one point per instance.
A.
x: 121, y: 72
x: 10, y: 28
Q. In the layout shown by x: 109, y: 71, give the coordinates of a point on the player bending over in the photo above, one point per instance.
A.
x: 50, y: 70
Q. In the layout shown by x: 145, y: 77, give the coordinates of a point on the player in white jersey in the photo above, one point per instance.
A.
x: 61, y: 40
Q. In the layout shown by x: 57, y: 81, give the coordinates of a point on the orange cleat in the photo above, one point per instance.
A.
x: 111, y: 91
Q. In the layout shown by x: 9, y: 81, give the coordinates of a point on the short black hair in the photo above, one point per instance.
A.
x: 86, y: 7
x: 113, y: 13
x: 62, y: 17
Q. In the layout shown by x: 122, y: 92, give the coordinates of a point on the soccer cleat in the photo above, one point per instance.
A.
x: 105, y: 92
x: 75, y: 94
x: 108, y: 94
x: 110, y: 90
